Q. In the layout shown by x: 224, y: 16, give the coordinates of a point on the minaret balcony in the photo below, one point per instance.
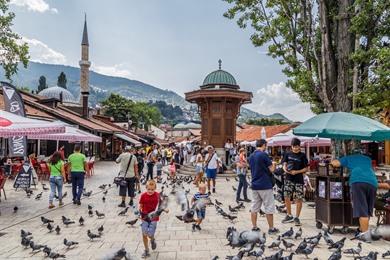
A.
x: 85, y: 63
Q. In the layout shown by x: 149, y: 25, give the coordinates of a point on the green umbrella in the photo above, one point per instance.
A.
x: 341, y: 125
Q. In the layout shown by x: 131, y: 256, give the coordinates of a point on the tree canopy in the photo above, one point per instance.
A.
x: 61, y: 82
x: 335, y: 53
x: 122, y: 109
x: 265, y: 121
x: 42, y: 83
x: 13, y: 50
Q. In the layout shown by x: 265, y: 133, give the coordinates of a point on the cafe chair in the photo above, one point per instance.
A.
x: 44, y: 171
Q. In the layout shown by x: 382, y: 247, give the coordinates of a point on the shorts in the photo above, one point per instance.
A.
x: 159, y: 173
x: 263, y: 198
x: 211, y: 173
x: 149, y: 228
x: 363, y: 199
x: 294, y: 190
x: 201, y: 214
x: 129, y: 188
x: 198, y: 169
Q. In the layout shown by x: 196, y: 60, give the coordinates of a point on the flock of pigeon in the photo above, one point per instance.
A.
x: 250, y: 243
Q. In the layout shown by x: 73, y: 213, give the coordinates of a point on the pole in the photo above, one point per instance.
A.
x: 39, y: 147
x: 58, y: 144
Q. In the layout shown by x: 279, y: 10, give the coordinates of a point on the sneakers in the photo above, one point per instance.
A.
x: 297, y: 222
x: 213, y: 189
x: 145, y: 254
x: 193, y: 227
x: 255, y: 229
x: 247, y: 200
x: 51, y: 206
x: 78, y: 202
x: 61, y: 203
x: 122, y: 205
x: 198, y: 227
x: 153, y: 244
x: 131, y: 203
x: 288, y: 219
x: 74, y: 202
x: 273, y: 231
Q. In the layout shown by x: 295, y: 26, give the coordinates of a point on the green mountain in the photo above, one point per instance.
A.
x: 103, y: 85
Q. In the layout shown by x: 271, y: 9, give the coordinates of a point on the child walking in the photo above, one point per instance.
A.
x: 200, y: 212
x: 148, y: 203
x: 172, y: 169
x: 159, y: 167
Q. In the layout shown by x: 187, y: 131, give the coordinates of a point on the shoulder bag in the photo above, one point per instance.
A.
x: 121, y: 181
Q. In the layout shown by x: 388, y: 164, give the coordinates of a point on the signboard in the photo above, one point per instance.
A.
x: 13, y: 103
x: 24, y: 177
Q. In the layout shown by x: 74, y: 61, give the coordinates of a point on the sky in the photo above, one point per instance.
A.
x: 170, y: 44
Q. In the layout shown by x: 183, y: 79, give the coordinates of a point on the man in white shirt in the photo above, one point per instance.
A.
x: 211, y: 165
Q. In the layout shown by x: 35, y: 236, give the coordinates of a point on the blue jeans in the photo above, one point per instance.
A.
x: 77, y: 184
x: 55, y: 184
x: 242, y: 184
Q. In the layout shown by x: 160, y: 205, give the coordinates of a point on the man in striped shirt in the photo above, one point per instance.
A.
x: 198, y: 201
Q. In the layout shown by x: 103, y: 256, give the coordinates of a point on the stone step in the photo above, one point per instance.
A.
x: 228, y: 174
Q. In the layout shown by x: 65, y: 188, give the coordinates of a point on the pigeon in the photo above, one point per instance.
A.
x: 90, y: 207
x: 46, y: 250
x: 236, y: 257
x: 123, y: 212
x: 215, y: 258
x: 289, y: 233
x: 103, y: 186
x: 24, y: 233
x: 227, y: 179
x: 54, y: 255
x: 104, y: 199
x: 67, y: 221
x: 315, y: 240
x: 92, y: 235
x: 117, y: 255
x: 81, y: 221
x: 15, y: 209
x: 338, y: 245
x: 99, y: 214
x: 329, y: 241
x: 289, y: 257
x: 218, y: 203
x: 87, y: 194
x: 101, y: 229
x: 58, y: 230
x: 70, y: 243
x: 275, y: 243
x: 287, y: 245
x: 50, y: 227
x: 232, y: 209
x: 90, y: 213
x: 336, y: 255
x: 35, y: 247
x: 25, y: 242
x: 44, y: 187
x: 105, y: 192
x: 276, y: 256
x: 132, y: 222
x: 46, y: 220
x: 298, y: 234
x: 386, y: 254
x: 258, y: 252
x: 39, y: 196
x: 370, y: 256
x: 64, y: 194
x: 302, y: 245
x: 234, y: 188
x: 306, y: 251
x: 354, y: 251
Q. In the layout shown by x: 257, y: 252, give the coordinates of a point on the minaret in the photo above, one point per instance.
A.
x: 84, y: 71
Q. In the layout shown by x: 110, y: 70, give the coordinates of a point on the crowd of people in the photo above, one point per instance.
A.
x: 208, y: 164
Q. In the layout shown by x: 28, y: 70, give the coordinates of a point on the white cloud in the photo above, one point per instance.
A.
x: 34, y: 5
x: 277, y: 98
x: 117, y: 70
x: 40, y: 52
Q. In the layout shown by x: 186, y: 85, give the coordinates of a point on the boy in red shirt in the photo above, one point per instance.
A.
x: 148, y: 203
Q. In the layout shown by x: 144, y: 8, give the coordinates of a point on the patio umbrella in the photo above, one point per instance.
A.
x: 72, y: 134
x: 14, y: 125
x: 341, y: 126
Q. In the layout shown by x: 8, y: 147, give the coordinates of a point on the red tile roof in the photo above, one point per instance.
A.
x: 253, y: 132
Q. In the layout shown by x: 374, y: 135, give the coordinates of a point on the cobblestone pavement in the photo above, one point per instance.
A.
x: 175, y: 240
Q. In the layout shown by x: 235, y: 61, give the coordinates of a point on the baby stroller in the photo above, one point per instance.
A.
x: 279, y: 183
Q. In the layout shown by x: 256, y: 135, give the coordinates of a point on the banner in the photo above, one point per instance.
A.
x: 13, y: 103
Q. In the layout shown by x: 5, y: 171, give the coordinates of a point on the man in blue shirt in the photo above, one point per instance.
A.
x: 363, y: 183
x: 262, y: 194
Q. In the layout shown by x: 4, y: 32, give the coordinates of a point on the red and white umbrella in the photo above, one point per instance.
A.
x: 72, y: 134
x: 14, y: 125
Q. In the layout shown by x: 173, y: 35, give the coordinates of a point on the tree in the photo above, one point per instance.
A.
x: 265, y: 121
x: 42, y: 83
x: 122, y: 109
x: 13, y: 50
x: 333, y: 51
x: 61, y: 82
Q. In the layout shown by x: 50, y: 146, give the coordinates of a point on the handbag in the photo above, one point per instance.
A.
x: 121, y: 181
